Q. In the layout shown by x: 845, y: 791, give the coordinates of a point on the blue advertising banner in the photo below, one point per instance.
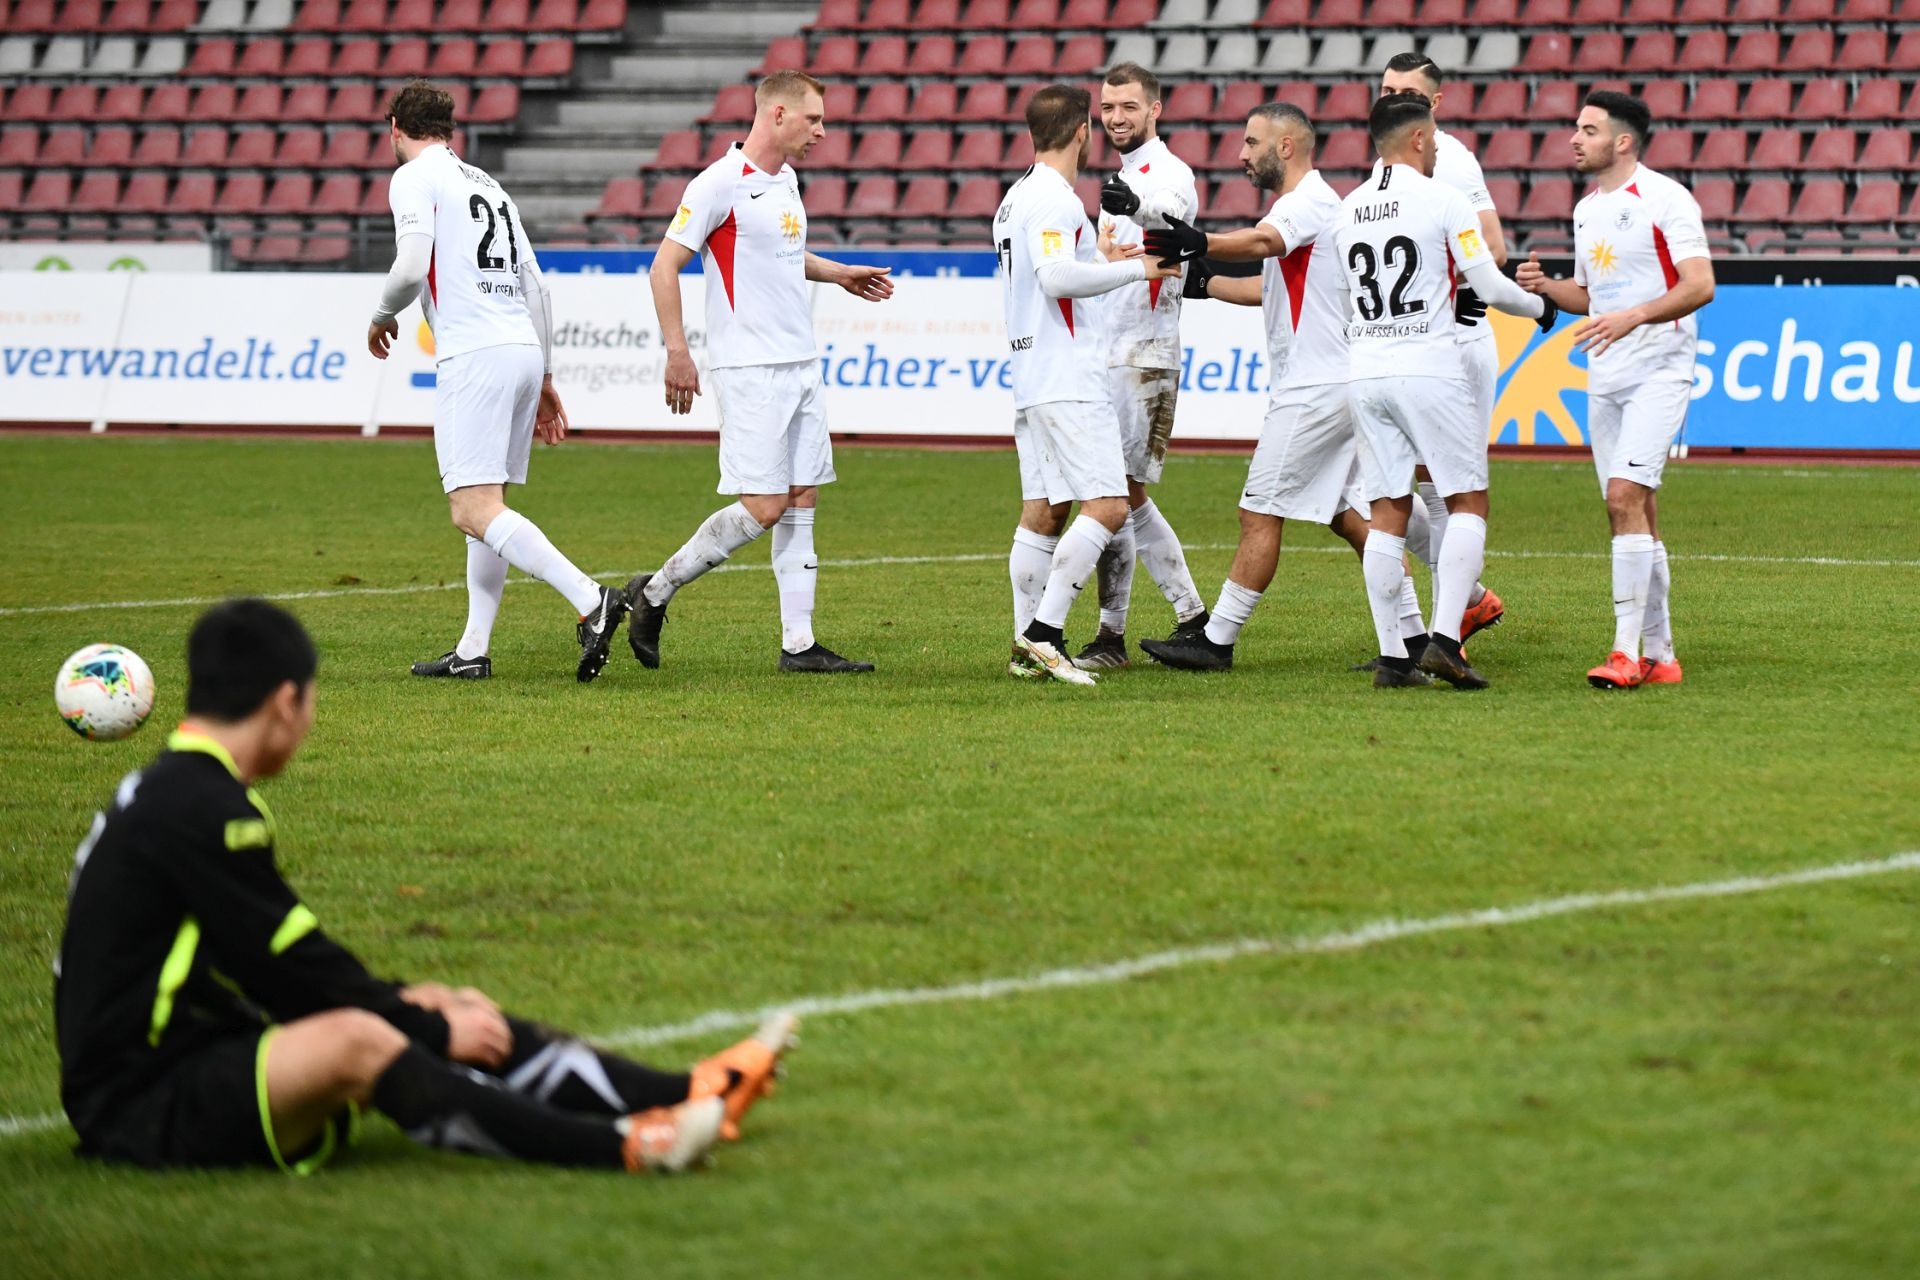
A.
x: 956, y: 263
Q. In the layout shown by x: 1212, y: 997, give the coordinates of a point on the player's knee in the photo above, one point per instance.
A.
x: 364, y: 1045
x: 1110, y: 512
x: 767, y: 508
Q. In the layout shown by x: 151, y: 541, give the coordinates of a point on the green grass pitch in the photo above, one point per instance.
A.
x: 1702, y: 1088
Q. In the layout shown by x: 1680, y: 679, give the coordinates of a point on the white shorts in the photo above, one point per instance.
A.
x: 1631, y: 430
x: 1306, y: 466
x: 1481, y: 356
x: 483, y: 408
x: 1069, y: 452
x: 1143, y: 401
x: 773, y: 427
x: 1419, y: 420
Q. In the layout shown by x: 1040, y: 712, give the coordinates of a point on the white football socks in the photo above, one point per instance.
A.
x: 486, y: 580
x: 718, y: 537
x: 1463, y: 553
x: 1656, y: 632
x: 1231, y: 612
x: 1632, y: 582
x: 519, y: 542
x: 1421, y: 540
x: 1166, y: 561
x: 1116, y: 579
x: 1430, y: 517
x: 1073, y: 563
x: 1385, y: 571
x: 1028, y: 565
x: 797, y: 570
x: 1411, y: 623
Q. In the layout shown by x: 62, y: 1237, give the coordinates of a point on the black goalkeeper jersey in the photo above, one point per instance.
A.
x: 180, y: 930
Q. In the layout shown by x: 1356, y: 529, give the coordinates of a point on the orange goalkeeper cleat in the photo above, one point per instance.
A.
x: 1652, y: 672
x: 1479, y: 617
x: 1617, y: 672
x: 670, y: 1139
x: 745, y: 1073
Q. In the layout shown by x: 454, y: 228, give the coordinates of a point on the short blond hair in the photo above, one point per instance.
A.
x: 786, y: 86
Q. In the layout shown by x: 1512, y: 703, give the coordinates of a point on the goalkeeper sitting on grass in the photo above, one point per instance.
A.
x: 204, y: 1018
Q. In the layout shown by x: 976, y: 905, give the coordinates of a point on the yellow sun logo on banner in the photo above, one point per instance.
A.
x: 1537, y: 382
x: 1601, y: 258
x: 791, y: 226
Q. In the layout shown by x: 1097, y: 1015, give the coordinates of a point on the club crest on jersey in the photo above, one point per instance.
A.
x: 1625, y: 219
x: 790, y: 225
x: 1470, y: 243
x: 682, y: 218
x: 1052, y: 243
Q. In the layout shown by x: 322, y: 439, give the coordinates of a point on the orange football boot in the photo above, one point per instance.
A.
x: 1652, y: 672
x: 745, y: 1073
x: 1617, y: 672
x: 1479, y: 617
x: 669, y: 1139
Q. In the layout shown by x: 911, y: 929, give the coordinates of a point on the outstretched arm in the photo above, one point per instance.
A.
x: 869, y: 283
x: 1569, y: 295
x: 411, y: 261
x: 1063, y: 279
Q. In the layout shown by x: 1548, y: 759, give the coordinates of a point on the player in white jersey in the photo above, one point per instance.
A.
x: 743, y: 215
x: 1404, y: 239
x: 1306, y: 466
x: 460, y: 235
x: 1641, y: 270
x: 1143, y: 355
x: 1455, y: 165
x: 1064, y: 427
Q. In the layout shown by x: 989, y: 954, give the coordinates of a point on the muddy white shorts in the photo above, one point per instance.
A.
x: 1143, y: 401
x: 1306, y: 466
x: 483, y: 408
x: 1632, y: 429
x: 1415, y: 420
x: 773, y: 427
x: 1069, y: 452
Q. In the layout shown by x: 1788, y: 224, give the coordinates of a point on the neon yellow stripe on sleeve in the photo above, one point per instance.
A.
x: 299, y: 923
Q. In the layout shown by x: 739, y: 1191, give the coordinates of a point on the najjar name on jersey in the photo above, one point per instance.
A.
x: 1403, y: 240
x: 1058, y: 345
x: 473, y: 297
x: 1628, y: 244
x: 1144, y: 317
x: 1301, y: 293
x: 751, y: 228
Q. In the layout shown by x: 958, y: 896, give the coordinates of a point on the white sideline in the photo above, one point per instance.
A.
x: 16, y: 611
x: 1354, y: 939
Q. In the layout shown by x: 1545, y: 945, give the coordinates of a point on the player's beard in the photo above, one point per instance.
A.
x: 1134, y: 142
x: 1086, y: 151
x: 1267, y: 172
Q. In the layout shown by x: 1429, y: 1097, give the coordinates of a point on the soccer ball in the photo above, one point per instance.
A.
x: 104, y: 692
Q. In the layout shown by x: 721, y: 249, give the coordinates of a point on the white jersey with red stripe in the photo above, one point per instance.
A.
x: 1059, y: 345
x: 1628, y: 244
x: 1144, y: 317
x: 1302, y: 293
x: 1403, y: 238
x: 473, y: 296
x: 751, y: 228
x: 1456, y: 165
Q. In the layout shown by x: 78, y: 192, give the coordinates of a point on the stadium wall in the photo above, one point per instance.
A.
x: 1781, y: 368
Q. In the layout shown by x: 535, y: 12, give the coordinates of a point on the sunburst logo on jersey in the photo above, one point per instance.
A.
x: 1538, y: 376
x: 1601, y: 259
x: 791, y: 226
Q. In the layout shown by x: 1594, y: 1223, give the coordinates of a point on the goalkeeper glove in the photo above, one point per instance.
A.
x: 1195, y: 285
x: 1119, y: 199
x: 1176, y: 242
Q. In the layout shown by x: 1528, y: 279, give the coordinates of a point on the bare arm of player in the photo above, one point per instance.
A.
x: 871, y: 284
x: 683, y: 377
x: 1495, y: 235
x: 1250, y: 244
x: 411, y: 262
x: 1569, y: 295
x: 1691, y: 292
x: 1242, y: 291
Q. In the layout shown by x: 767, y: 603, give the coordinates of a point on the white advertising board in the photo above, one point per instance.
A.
x: 74, y: 255
x: 57, y: 338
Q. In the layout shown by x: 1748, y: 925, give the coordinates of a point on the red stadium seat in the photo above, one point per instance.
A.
x: 1715, y: 197
x: 1398, y: 13
x: 305, y: 103
x: 1745, y: 11
x: 357, y: 58
x: 261, y: 58
x: 1190, y: 101
x: 1495, y: 14
x: 1706, y: 52
x: 258, y: 102
x: 1831, y: 149
x: 1032, y: 56
x: 836, y: 15
x: 1550, y: 51
x: 983, y: 56
x: 404, y: 59
x: 495, y: 104
x: 1670, y: 151
x: 1081, y: 55
x: 1602, y: 51
x: 1300, y: 94
x: 933, y: 56
x: 980, y: 149
x: 63, y: 148
x: 167, y: 102
x: 1810, y: 10
x: 930, y: 149
x: 242, y: 194
x: 1555, y: 102
x: 878, y: 149
x: 111, y: 147
x: 678, y: 150
x: 1768, y: 100
x: 300, y: 149
x: 1887, y: 149
x: 717, y: 146
x: 841, y: 101
x: 129, y: 16
x: 1545, y: 13
x: 354, y: 102
x: 1336, y: 13
x: 206, y: 148
x: 1505, y: 194
x: 1811, y: 50
x: 504, y: 58
x: 1722, y: 149
x: 1652, y: 51
x: 881, y: 15
x: 1237, y: 202
x: 784, y: 53
x: 214, y: 102
x: 1238, y: 100
x: 420, y: 16
x: 602, y: 15
x: 19, y: 146
x: 1867, y: 11
x: 251, y: 149
x: 884, y: 56
x: 374, y: 204
x: 1876, y: 200
x: 976, y: 198
x: 936, y: 102
x: 1191, y: 146
x: 623, y: 198
x: 1597, y: 13
x: 146, y: 193
x: 1508, y: 149
x: 78, y: 15
x: 1349, y: 102
x: 1821, y: 201
x: 1286, y: 13
x: 1906, y: 54
x: 1225, y: 154
x: 1500, y: 101
x: 366, y: 15
x: 457, y: 58
x: 1822, y: 100
x: 1776, y: 149
x: 308, y: 58
x: 1767, y: 200
x: 986, y: 100
x: 937, y: 15
x: 886, y: 103
x: 1347, y: 149
x: 97, y: 193
x: 77, y: 101
x: 339, y: 194
x: 987, y: 14
x: 923, y: 198
x: 1875, y: 100
x: 1666, y: 99
x: 159, y: 148
x: 732, y: 105
x: 193, y: 193
x: 1548, y: 200
x: 1649, y: 13
x: 550, y: 60
x: 555, y: 15
x: 316, y: 15
x: 347, y: 149
x: 1035, y: 15
x: 836, y: 56
x: 826, y: 197
x: 1715, y: 100
x: 510, y: 15
x: 213, y: 58
x: 1697, y: 13
x: 1441, y: 13
x: 292, y: 193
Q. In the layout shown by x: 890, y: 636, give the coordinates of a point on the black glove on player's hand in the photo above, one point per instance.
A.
x: 1195, y: 285
x: 1176, y: 242
x: 1549, y: 315
x: 1469, y: 308
x: 1118, y: 199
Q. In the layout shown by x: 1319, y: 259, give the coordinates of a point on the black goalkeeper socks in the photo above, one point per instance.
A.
x: 567, y: 1072
x: 445, y: 1105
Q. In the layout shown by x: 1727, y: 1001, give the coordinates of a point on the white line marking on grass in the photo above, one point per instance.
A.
x: 1365, y: 935
x: 180, y: 602
x: 1355, y: 939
